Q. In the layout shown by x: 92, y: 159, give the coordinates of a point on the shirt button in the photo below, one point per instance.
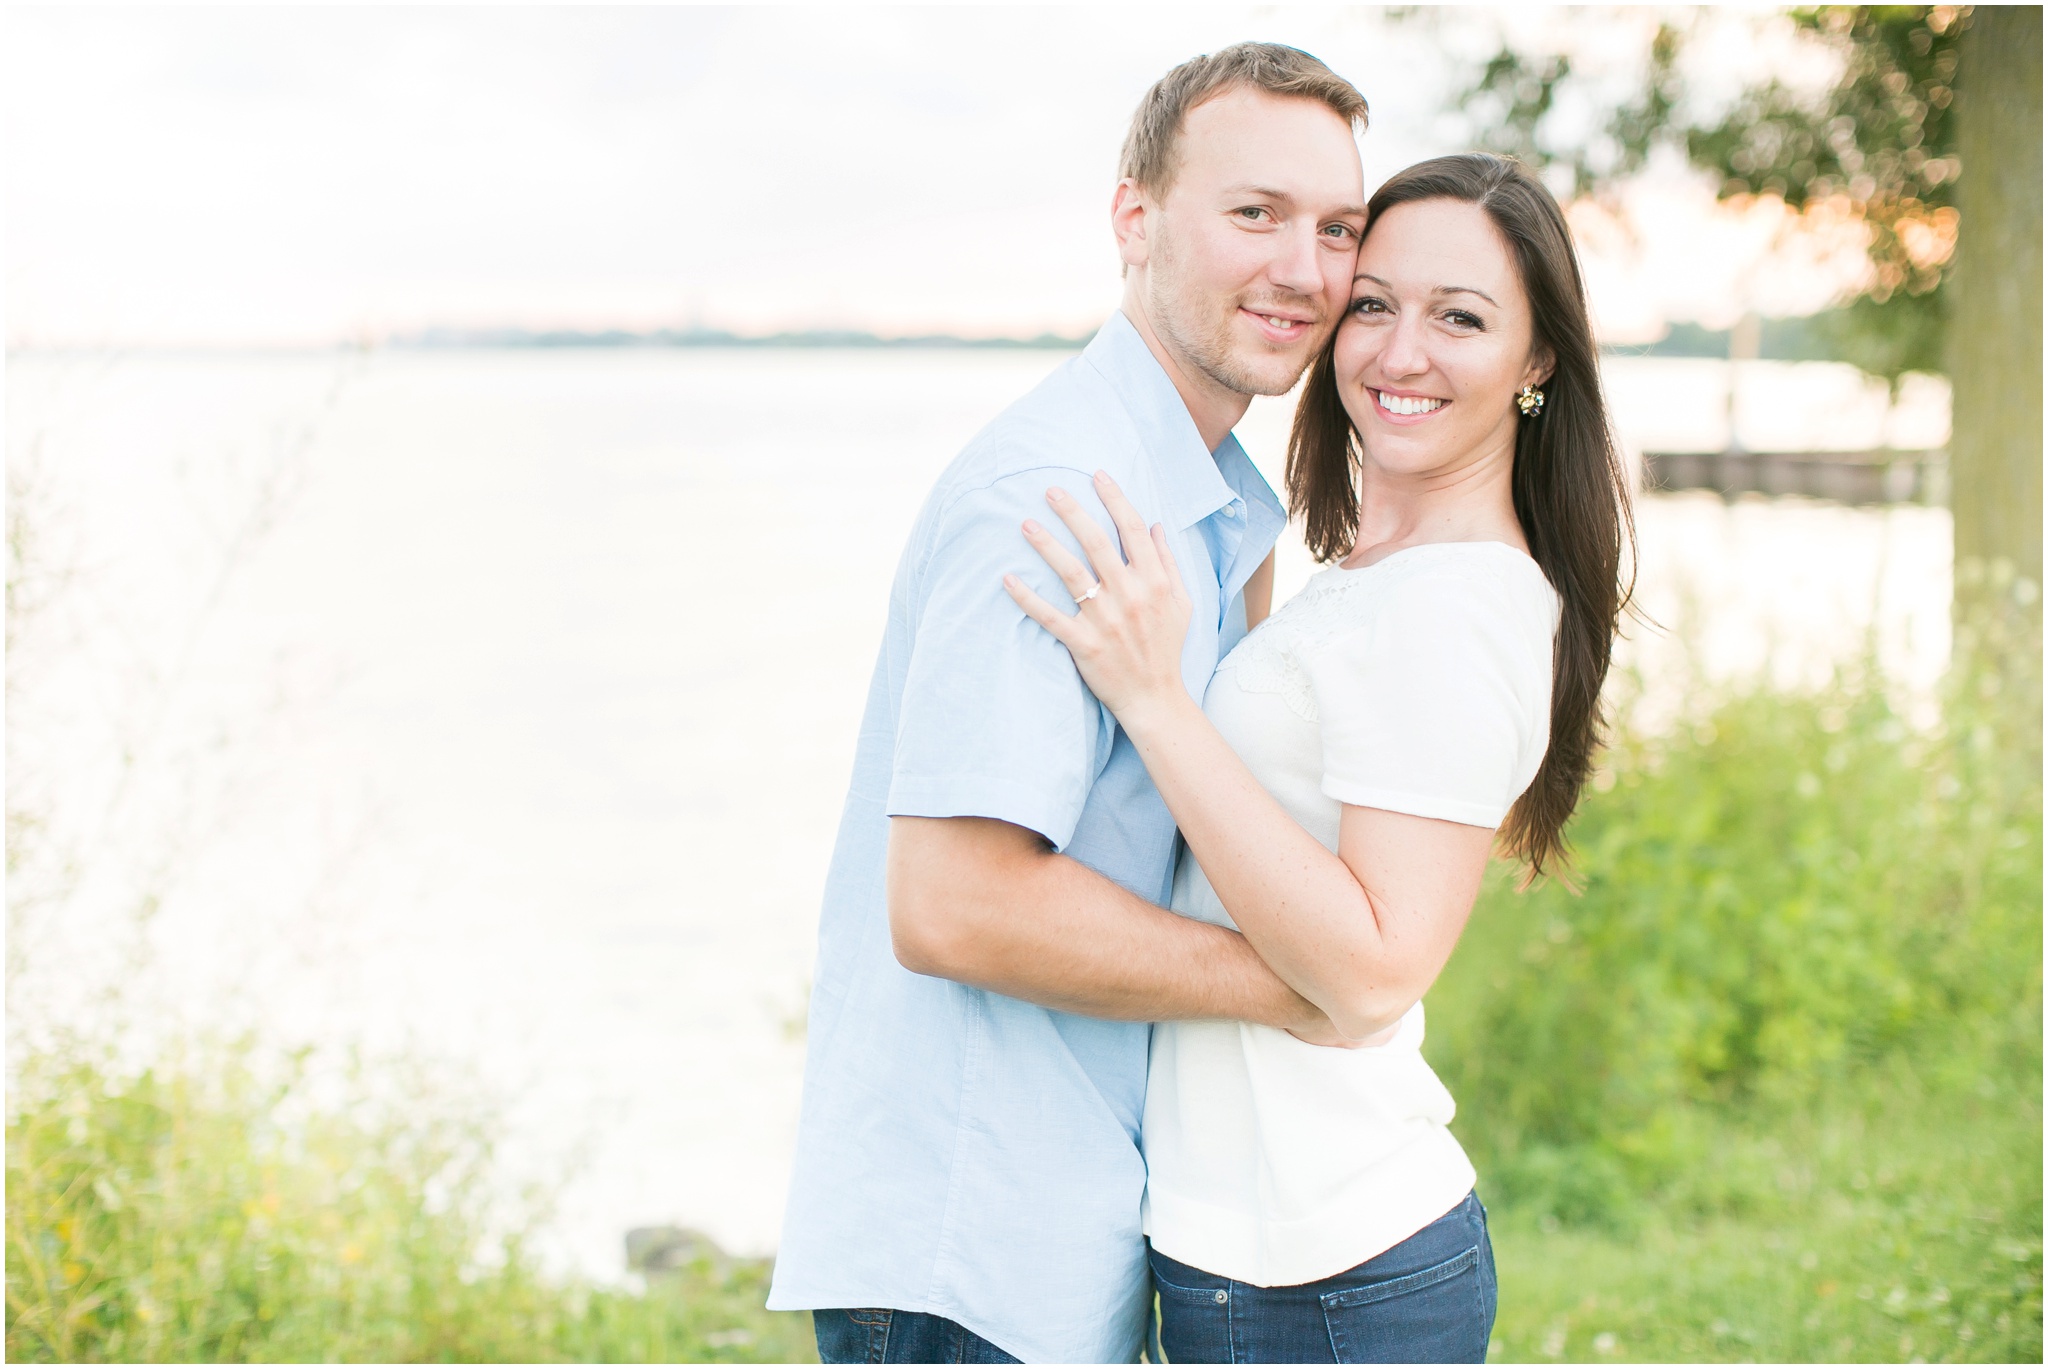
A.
x: 1230, y: 509
x: 1222, y: 1296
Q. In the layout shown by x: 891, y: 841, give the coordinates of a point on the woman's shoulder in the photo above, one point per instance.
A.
x: 1439, y: 611
x: 1432, y: 624
x: 1436, y: 581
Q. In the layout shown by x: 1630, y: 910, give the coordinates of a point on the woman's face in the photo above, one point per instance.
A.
x: 1437, y: 341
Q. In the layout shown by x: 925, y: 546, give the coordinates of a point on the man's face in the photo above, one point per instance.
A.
x: 1248, y: 255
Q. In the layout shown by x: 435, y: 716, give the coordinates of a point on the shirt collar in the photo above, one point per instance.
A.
x: 1190, y: 477
x: 1265, y: 517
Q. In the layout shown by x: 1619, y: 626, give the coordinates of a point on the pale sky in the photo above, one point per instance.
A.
x: 305, y: 175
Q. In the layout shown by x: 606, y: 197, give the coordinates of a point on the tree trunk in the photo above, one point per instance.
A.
x: 1994, y: 322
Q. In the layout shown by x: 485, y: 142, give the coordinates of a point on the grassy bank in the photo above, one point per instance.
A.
x: 1896, y: 1228
x: 1767, y: 1087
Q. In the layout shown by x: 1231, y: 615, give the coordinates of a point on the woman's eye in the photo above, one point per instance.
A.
x: 1462, y: 319
x: 1369, y: 305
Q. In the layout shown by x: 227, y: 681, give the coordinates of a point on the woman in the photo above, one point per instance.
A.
x: 1433, y: 695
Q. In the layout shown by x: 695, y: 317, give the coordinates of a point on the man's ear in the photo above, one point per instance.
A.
x: 1127, y: 220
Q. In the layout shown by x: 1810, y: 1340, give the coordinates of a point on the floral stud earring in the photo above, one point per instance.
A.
x: 1529, y: 401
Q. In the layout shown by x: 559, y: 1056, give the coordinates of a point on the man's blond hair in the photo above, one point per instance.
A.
x: 1151, y: 150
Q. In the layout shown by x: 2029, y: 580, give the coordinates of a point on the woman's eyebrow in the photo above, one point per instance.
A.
x: 1440, y: 290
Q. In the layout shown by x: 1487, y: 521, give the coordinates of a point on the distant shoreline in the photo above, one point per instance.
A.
x: 615, y: 339
x: 440, y: 338
x: 1786, y: 340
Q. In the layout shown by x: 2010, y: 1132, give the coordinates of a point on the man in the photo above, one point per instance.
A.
x: 992, y: 948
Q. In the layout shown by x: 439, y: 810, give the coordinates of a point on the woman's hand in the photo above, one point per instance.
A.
x: 1134, y: 614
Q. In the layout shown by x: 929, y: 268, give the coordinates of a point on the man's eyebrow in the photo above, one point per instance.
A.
x: 1440, y: 290
x: 1267, y: 192
x: 1258, y: 192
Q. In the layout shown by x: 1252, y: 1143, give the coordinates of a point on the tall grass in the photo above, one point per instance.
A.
x: 1769, y: 1085
x: 210, y: 1208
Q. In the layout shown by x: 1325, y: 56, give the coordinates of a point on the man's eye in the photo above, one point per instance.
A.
x: 1254, y: 211
x: 1337, y: 230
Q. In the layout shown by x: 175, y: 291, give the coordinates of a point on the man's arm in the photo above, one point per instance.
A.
x: 990, y: 904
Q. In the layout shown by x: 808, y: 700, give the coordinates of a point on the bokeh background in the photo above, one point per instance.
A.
x: 456, y: 459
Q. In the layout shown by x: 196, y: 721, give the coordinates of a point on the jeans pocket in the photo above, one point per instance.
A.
x: 854, y: 1335
x: 1194, y: 1322
x: 1438, y: 1315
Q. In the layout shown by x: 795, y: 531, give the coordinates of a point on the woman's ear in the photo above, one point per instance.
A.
x: 1541, y: 367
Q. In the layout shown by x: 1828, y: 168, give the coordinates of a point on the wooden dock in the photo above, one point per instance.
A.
x: 1869, y: 477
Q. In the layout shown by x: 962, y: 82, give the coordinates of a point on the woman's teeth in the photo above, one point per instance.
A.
x: 1407, y: 404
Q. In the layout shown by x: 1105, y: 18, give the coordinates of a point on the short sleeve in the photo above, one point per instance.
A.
x: 1439, y: 704
x: 994, y: 720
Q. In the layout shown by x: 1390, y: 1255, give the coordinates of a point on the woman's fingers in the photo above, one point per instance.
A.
x: 1164, y: 546
x: 1073, y: 573
x: 1102, y: 552
x: 1130, y: 527
x: 1060, y: 625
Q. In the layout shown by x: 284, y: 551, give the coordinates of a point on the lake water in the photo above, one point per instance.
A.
x: 499, y: 705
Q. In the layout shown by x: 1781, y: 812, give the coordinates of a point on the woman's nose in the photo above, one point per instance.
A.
x: 1405, y: 354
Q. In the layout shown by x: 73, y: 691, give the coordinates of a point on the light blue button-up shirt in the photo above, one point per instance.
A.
x: 961, y: 1152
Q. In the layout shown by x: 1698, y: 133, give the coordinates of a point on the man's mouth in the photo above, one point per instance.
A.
x: 1281, y: 327
x: 1407, y: 406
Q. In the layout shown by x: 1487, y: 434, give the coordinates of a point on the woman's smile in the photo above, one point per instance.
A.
x: 1406, y: 408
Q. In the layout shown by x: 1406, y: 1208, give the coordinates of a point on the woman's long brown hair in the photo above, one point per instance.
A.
x: 1570, y: 490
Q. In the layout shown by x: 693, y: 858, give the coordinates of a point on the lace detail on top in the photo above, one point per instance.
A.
x: 1272, y: 657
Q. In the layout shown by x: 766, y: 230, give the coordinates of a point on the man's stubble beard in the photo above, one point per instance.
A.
x: 1206, y: 343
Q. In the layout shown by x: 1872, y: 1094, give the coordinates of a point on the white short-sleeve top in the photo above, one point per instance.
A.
x: 1419, y: 684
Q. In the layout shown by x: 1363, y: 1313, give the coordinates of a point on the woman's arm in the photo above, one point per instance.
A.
x: 1361, y: 932
x: 1258, y: 594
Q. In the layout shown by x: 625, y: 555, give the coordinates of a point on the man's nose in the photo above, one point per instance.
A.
x: 1297, y: 268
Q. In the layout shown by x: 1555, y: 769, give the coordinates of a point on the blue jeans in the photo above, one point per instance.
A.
x: 1428, y: 1300
x: 883, y: 1335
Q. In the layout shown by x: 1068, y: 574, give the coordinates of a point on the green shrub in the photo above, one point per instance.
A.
x: 1790, y: 887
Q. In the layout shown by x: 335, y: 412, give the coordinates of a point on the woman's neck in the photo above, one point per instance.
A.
x: 1474, y: 502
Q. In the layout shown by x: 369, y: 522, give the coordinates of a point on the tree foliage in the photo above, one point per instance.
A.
x: 1877, y: 144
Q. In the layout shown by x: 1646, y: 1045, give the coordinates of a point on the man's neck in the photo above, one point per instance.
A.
x: 1214, y: 409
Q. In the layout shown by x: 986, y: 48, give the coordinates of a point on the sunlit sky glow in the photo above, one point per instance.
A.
x: 305, y: 175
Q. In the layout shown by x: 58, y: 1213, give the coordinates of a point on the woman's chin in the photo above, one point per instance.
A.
x: 1405, y: 452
